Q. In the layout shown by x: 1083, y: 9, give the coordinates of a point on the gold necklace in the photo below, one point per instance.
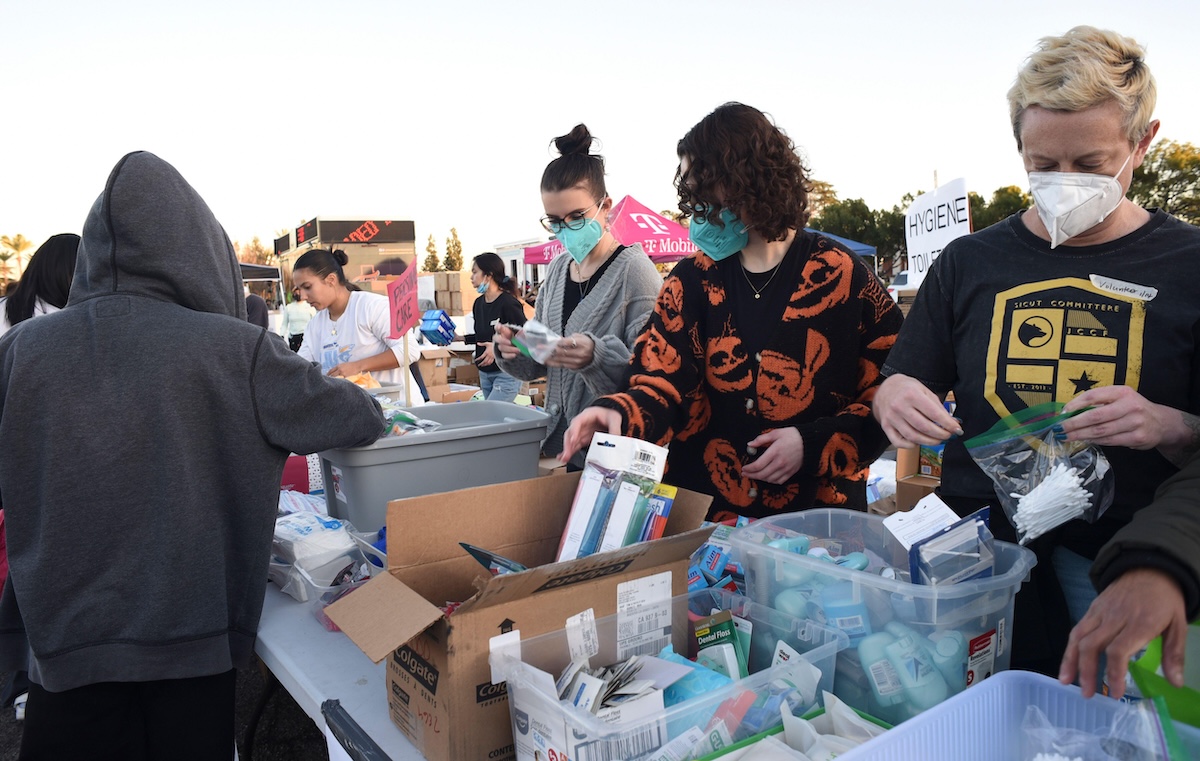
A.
x: 758, y: 291
x: 585, y: 286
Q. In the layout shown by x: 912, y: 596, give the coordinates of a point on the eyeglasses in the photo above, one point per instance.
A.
x: 574, y: 221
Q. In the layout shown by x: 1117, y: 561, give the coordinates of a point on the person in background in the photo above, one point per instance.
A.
x: 256, y: 310
x: 597, y: 297
x: 44, y: 287
x: 296, y: 315
x: 763, y: 353
x: 145, y: 429
x: 496, y: 305
x: 1086, y: 298
x: 350, y: 333
x: 1148, y: 576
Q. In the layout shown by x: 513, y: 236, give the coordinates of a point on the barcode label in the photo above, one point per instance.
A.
x: 883, y: 674
x: 850, y: 624
x: 644, y: 462
x: 651, y: 647
x: 643, y: 613
x: 582, y: 639
x: 629, y: 745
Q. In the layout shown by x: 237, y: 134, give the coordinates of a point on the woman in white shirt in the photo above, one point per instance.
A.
x: 349, y: 334
x: 45, y: 285
x: 296, y: 316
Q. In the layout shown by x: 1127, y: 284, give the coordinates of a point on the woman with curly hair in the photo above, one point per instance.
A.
x: 763, y: 353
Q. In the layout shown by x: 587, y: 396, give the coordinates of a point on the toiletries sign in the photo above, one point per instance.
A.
x: 933, y: 220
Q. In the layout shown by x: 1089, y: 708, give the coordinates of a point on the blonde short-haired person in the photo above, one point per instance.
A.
x: 1085, y: 298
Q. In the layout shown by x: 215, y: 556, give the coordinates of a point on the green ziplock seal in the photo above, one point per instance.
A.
x: 1183, y: 702
x: 522, y: 348
x: 1170, y: 738
x: 1023, y: 423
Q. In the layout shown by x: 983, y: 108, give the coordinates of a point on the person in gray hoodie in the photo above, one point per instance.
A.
x: 144, y: 430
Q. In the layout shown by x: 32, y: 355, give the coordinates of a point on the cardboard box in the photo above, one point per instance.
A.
x: 467, y: 374
x: 451, y: 392
x: 440, y: 691
x: 435, y: 366
x: 441, y: 299
x: 911, y: 486
x: 550, y: 466
x: 441, y: 281
x: 535, y: 390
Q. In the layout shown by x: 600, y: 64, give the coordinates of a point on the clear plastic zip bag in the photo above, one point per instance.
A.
x: 1140, y: 731
x: 1041, y: 480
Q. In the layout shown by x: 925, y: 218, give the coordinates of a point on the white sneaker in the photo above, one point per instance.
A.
x: 19, y: 705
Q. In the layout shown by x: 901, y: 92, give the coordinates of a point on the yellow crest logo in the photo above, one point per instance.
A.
x: 1055, y: 339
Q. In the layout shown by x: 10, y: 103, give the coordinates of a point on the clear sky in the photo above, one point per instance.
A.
x: 442, y: 112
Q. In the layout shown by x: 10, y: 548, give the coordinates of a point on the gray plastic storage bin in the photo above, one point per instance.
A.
x: 479, y: 443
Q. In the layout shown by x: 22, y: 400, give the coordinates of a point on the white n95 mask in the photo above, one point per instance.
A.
x: 1070, y: 203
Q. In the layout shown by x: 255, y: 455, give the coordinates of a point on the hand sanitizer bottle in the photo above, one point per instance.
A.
x: 924, y: 685
x: 881, y: 674
x: 950, y: 657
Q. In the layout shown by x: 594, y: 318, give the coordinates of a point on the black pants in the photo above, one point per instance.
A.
x: 186, y: 719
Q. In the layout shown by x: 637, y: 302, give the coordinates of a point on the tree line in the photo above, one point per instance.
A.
x: 1168, y: 179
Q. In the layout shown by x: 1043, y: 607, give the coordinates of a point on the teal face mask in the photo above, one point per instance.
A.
x: 482, y: 287
x: 717, y: 242
x: 579, y: 243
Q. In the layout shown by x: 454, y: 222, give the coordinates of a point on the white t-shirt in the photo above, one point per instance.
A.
x: 361, y: 332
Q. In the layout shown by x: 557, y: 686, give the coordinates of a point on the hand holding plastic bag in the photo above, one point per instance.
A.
x: 1042, y: 481
x: 536, y: 341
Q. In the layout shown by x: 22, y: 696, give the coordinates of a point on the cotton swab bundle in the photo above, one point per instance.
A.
x: 1059, y: 497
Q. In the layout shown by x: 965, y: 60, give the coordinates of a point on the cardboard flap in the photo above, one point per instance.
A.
x: 382, y: 615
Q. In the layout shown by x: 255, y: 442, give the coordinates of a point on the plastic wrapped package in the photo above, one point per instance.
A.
x: 1042, y: 480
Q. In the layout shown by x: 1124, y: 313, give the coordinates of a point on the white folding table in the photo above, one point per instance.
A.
x: 315, y: 665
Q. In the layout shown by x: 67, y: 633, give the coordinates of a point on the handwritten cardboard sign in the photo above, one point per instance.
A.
x: 402, y: 302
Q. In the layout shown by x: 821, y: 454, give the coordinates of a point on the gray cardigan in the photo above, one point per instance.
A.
x: 612, y: 314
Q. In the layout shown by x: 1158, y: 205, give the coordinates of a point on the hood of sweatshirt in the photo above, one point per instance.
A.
x: 151, y: 234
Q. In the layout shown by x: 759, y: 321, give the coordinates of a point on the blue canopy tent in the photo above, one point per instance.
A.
x: 862, y: 249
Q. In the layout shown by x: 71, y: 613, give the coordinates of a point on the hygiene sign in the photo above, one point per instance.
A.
x: 933, y: 220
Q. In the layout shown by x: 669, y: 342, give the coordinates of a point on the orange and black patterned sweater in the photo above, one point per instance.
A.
x: 694, y: 385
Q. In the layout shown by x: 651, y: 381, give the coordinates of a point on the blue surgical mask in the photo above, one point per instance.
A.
x: 579, y: 243
x: 482, y: 287
x: 718, y: 242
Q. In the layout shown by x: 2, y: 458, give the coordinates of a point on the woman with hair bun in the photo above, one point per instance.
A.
x: 763, y: 354
x: 497, y: 305
x: 597, y: 297
x: 45, y: 285
x: 349, y: 335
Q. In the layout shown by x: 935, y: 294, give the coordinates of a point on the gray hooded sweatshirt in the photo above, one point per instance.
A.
x: 144, y: 430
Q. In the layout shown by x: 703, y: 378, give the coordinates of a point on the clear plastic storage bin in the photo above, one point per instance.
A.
x: 542, y: 723
x: 911, y: 646
x: 479, y: 444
